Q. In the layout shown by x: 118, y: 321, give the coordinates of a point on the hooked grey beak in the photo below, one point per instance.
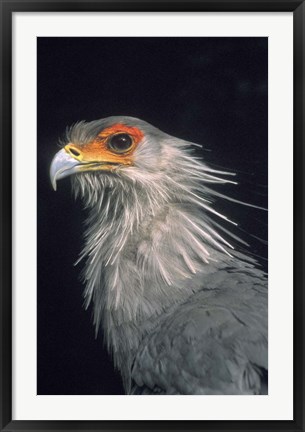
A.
x: 62, y: 166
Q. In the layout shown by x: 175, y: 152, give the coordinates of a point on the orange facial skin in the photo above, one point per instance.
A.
x: 99, y: 151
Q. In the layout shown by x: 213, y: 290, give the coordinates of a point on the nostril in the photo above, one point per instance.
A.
x: 74, y: 152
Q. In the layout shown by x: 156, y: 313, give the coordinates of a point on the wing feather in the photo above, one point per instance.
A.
x: 215, y: 343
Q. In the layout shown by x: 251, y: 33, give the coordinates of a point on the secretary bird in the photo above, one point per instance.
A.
x: 182, y: 310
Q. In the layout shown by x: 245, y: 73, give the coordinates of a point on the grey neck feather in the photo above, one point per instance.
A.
x: 148, y: 245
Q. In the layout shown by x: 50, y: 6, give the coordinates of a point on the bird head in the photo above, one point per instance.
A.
x: 111, y: 147
x: 130, y: 157
x: 142, y: 167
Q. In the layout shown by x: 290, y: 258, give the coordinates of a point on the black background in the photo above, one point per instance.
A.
x: 212, y: 91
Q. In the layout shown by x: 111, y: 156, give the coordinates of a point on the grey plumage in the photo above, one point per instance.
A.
x: 182, y: 311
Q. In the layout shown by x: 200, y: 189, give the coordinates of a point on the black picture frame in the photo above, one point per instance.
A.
x: 7, y: 10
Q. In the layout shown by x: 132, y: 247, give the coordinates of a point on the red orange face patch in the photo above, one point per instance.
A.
x: 101, y: 150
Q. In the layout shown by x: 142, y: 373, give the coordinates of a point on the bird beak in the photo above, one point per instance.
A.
x: 63, y: 165
x: 93, y: 156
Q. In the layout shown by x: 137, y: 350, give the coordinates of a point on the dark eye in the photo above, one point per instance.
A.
x: 120, y: 142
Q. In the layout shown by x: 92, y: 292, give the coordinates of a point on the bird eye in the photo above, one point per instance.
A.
x: 120, y: 142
